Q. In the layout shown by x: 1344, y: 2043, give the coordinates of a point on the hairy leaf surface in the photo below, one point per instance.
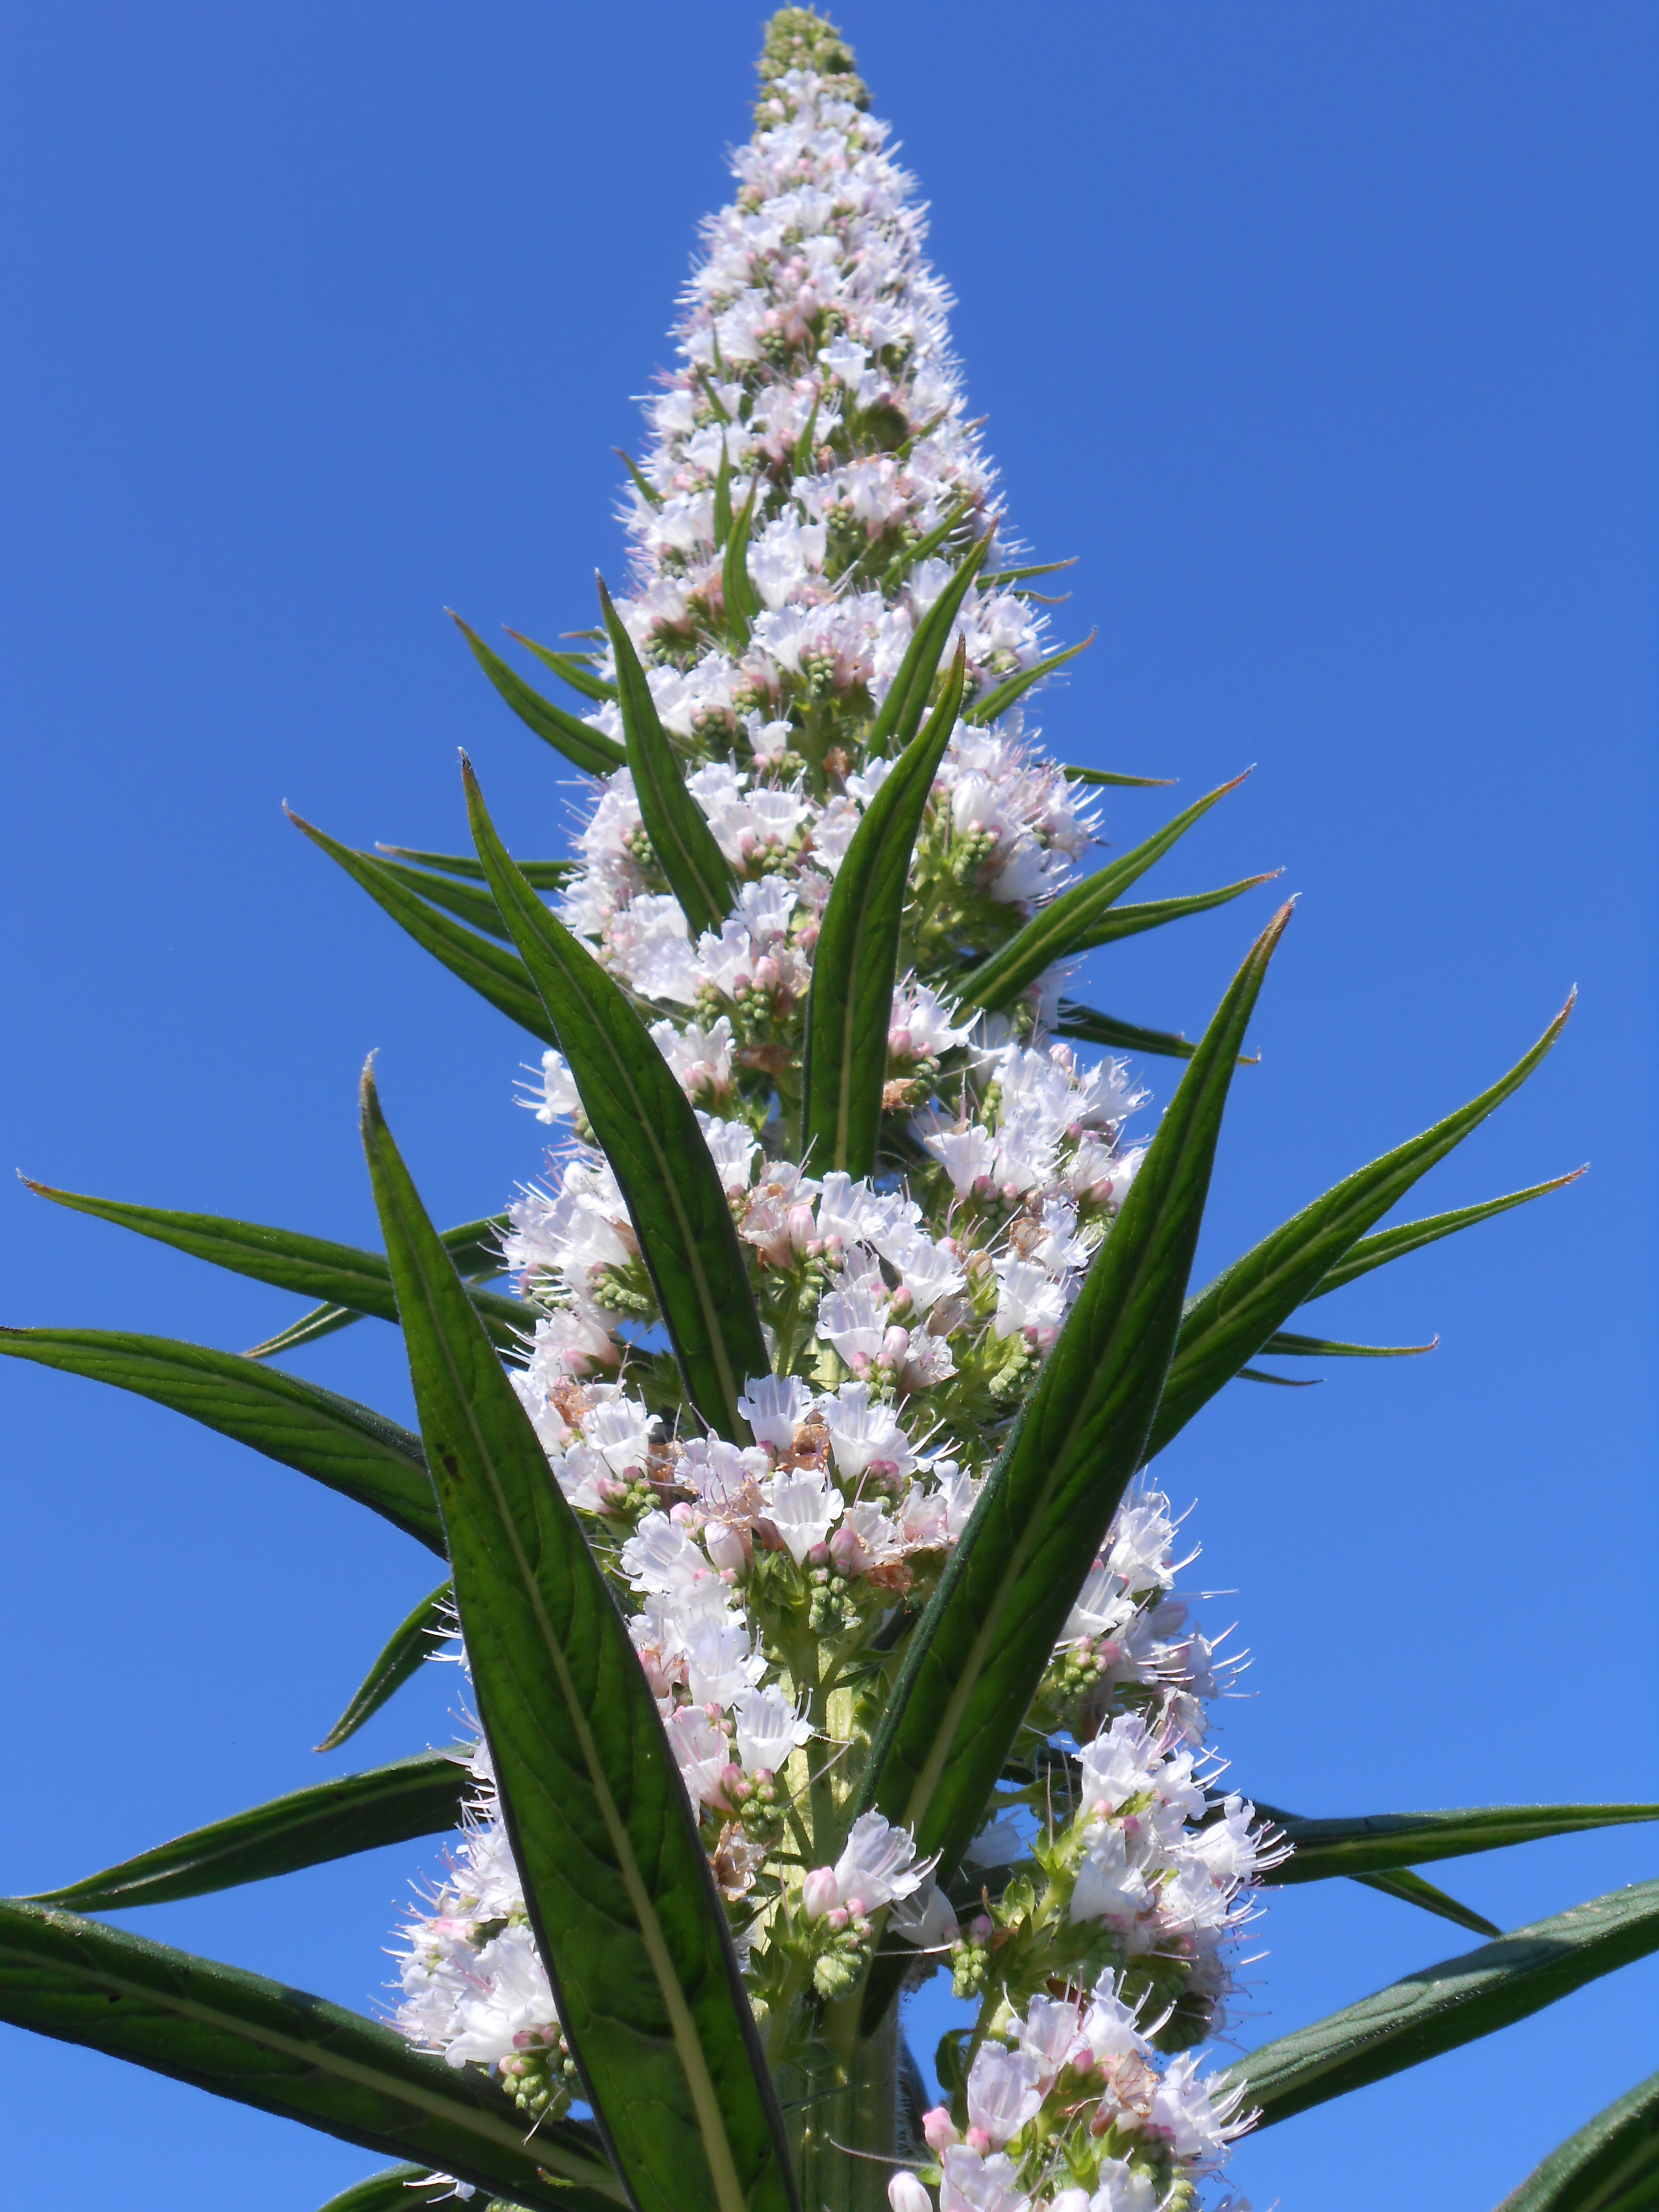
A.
x: 1378, y: 1843
x: 1610, y: 2166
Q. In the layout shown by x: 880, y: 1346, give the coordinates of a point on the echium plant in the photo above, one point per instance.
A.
x: 819, y: 1603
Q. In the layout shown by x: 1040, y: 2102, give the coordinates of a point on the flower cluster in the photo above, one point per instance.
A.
x: 767, y: 1584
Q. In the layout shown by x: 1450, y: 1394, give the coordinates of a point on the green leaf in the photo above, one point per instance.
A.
x: 495, y: 975
x: 910, y: 557
x: 1285, y: 1346
x: 322, y: 1321
x: 345, y: 1446
x: 581, y: 744
x: 698, y: 872
x: 410, y: 1645
x: 1056, y: 930
x: 849, y: 1007
x: 576, y: 668
x: 723, y: 497
x: 975, y: 1659
x: 1412, y: 1889
x: 313, y: 1266
x: 627, y: 1919
x: 546, y: 875
x: 1610, y: 2166
x: 648, y: 1130
x: 473, y: 907
x: 1086, y: 1026
x: 998, y: 701
x: 1105, y: 775
x: 1232, y: 1318
x: 1411, y: 1236
x: 242, y: 2037
x: 419, y: 1796
x: 1020, y: 575
x: 1378, y: 1842
x: 646, y: 491
x: 901, y: 712
x: 1152, y: 914
x: 389, y: 2190
x: 742, y: 601
x: 474, y: 1246
x: 1440, y: 2008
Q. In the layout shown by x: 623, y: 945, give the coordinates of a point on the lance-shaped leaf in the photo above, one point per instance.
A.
x: 581, y: 744
x: 1106, y: 775
x: 1058, y: 929
x: 1152, y: 914
x: 698, y: 872
x: 474, y: 1246
x: 494, y: 973
x: 1441, y: 2007
x: 974, y: 1660
x: 546, y: 875
x: 409, y: 1646
x: 999, y: 701
x: 741, y: 600
x: 1086, y: 1026
x: 646, y: 490
x: 251, y: 2040
x: 1378, y: 1843
x: 900, y: 715
x: 394, y: 2189
x: 849, y: 1008
x: 648, y: 1130
x: 316, y: 1267
x: 627, y: 1919
x: 1411, y: 1889
x: 1610, y: 2166
x: 345, y: 1446
x: 1286, y: 1346
x: 576, y: 668
x: 418, y: 1796
x: 1232, y: 1318
x: 1411, y: 1236
x: 475, y: 908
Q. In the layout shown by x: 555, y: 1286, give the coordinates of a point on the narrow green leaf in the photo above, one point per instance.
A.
x: 1152, y: 914
x: 974, y: 1660
x: 723, y: 497
x: 849, y: 1008
x: 1086, y: 1026
x: 900, y: 714
x: 410, y: 1645
x: 576, y: 668
x: 910, y: 557
x: 1443, y: 2007
x: 648, y: 1131
x: 546, y: 875
x: 1057, y: 930
x: 698, y: 872
x: 742, y: 601
x: 313, y: 1266
x: 1282, y: 1381
x: 1610, y: 2166
x: 392, y: 2189
x: 1232, y: 1318
x: 495, y: 975
x: 1284, y: 1346
x: 646, y: 491
x: 1379, y: 1843
x: 1020, y: 575
x: 582, y: 745
x: 419, y: 1796
x: 474, y: 1247
x: 345, y: 1446
x: 473, y: 907
x: 1411, y: 1236
x: 1104, y: 775
x: 259, y: 2043
x: 1412, y: 1889
x: 998, y: 701
x: 626, y: 1915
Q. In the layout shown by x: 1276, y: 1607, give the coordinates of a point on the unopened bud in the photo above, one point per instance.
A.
x: 938, y: 2130
x: 906, y: 2194
x: 819, y: 1892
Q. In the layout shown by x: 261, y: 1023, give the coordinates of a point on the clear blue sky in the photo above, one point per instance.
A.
x: 1324, y: 335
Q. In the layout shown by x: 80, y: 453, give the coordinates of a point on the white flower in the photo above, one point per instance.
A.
x: 775, y: 1406
x: 863, y: 1434
x: 1005, y: 2089
x: 973, y: 2184
x: 768, y: 1728
x: 803, y: 1508
x: 876, y: 1865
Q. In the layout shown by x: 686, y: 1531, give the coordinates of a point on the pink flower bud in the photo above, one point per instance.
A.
x: 982, y: 1928
x: 819, y: 1892
x: 727, y: 1547
x: 896, y: 1344
x: 836, y: 1917
x: 766, y: 973
x: 938, y: 2130
x: 976, y: 2139
x: 684, y: 1516
x: 906, y: 2194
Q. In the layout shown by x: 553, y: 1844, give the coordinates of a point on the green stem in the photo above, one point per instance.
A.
x: 847, y: 2127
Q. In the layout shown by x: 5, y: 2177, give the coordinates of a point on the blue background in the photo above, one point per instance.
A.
x: 1324, y: 335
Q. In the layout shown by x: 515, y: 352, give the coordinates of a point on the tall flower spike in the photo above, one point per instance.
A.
x: 820, y: 562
